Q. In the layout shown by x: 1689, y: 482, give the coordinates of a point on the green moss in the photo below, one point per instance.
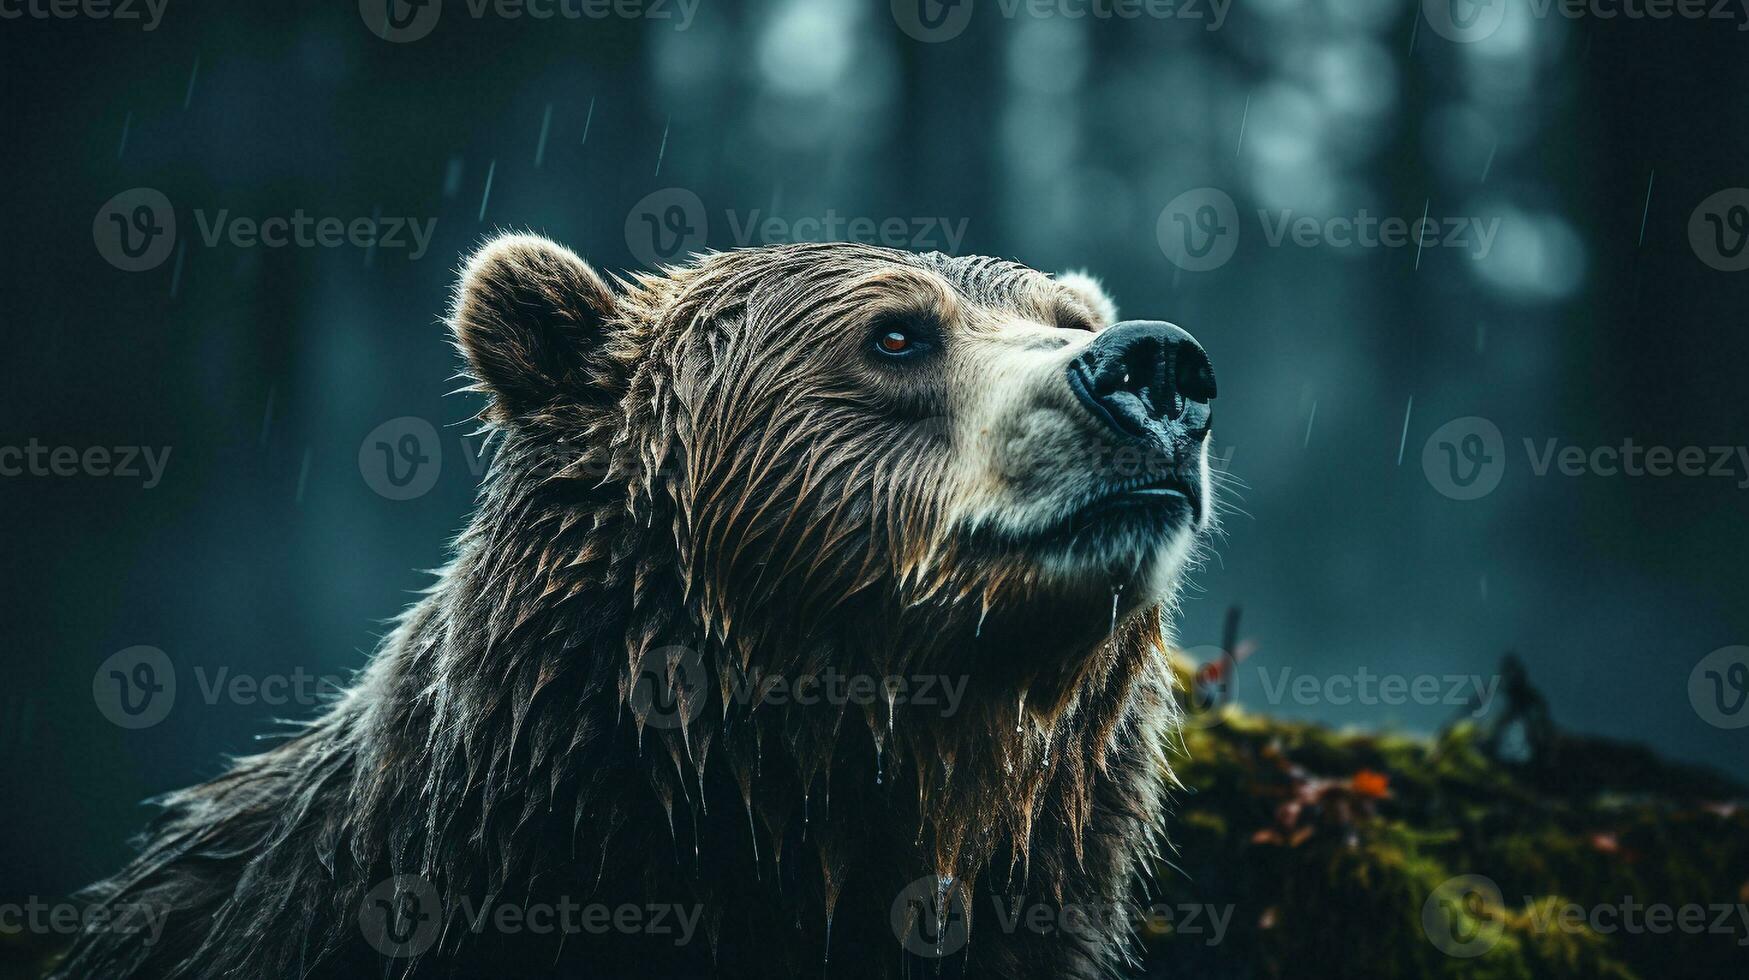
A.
x: 1355, y: 855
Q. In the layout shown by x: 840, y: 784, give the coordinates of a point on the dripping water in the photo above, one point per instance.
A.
x: 943, y: 884
x: 753, y: 833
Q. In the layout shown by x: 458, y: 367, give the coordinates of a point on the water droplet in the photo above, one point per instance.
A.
x: 828, y: 957
x: 943, y: 883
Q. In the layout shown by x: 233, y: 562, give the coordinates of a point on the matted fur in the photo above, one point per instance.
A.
x: 687, y: 476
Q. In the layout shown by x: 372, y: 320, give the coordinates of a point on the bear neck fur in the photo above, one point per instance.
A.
x: 495, y: 747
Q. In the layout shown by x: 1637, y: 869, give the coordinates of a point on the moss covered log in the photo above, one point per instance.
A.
x: 1346, y: 854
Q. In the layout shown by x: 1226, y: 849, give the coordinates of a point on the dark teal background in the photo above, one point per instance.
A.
x: 1058, y: 142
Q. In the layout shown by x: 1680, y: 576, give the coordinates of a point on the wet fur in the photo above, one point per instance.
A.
x: 643, y: 497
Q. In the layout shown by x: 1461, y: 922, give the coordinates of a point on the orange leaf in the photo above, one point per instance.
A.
x: 1370, y: 784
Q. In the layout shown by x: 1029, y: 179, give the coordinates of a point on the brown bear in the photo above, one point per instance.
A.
x: 810, y: 621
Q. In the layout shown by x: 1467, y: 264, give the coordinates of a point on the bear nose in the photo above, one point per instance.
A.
x: 1139, y: 375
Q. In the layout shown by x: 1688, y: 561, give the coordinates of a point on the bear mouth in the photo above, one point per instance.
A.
x: 1171, y: 494
x: 1127, y: 513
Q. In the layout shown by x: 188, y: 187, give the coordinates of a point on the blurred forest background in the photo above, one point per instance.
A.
x: 1056, y: 141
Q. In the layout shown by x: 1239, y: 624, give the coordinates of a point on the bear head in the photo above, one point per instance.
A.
x: 789, y: 461
x: 862, y: 457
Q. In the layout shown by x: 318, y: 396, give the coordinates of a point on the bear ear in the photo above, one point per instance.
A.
x: 1088, y: 290
x: 527, y: 315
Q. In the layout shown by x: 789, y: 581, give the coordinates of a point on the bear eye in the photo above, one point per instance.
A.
x: 899, y: 340
x: 894, y: 342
